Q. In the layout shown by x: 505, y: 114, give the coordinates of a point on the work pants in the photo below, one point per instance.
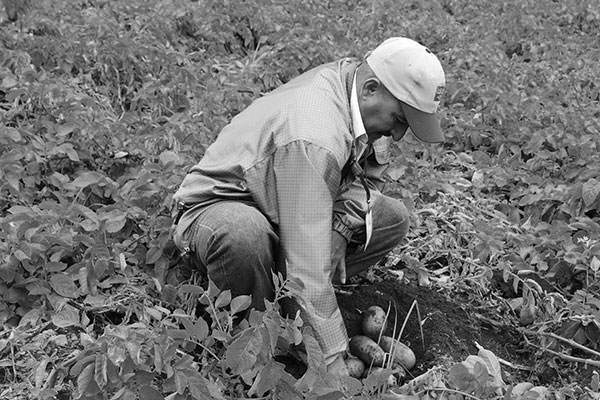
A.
x: 235, y: 245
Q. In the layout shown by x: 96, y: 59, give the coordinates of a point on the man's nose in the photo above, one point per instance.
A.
x: 399, y: 131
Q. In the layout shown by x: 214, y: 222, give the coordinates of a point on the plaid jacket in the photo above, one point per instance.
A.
x: 286, y: 153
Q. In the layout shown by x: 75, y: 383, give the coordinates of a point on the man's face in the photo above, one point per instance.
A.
x: 382, y: 113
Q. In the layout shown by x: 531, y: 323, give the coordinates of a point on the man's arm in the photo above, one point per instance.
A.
x: 306, y: 179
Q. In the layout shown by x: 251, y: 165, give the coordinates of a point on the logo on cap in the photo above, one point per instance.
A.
x: 439, y: 92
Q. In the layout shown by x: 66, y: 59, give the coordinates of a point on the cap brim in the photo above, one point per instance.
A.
x: 426, y: 127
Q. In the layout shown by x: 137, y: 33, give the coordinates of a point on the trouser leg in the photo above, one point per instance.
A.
x: 390, y: 224
x: 236, y: 246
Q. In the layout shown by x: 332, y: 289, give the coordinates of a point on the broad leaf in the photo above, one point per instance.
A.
x: 493, y: 366
x: 198, y: 387
x: 224, y: 299
x: 8, y: 272
x: 314, y: 354
x: 240, y: 303
x: 87, y: 179
x: 267, y: 378
x: 149, y: 393
x: 197, y: 330
x: 115, y: 223
x: 459, y: 377
x: 66, y: 317
x: 85, y: 379
x: 241, y: 355
x: 63, y: 285
x: 590, y: 191
x: 100, y: 370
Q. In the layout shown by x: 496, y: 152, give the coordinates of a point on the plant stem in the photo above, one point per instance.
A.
x: 564, y: 356
x: 570, y: 342
x: 434, y: 389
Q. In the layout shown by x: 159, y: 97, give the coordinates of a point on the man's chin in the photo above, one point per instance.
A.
x: 374, y: 136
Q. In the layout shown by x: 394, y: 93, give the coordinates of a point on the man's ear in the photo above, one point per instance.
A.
x: 370, y: 87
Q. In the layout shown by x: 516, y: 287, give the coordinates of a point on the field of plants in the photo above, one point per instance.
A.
x: 105, y: 104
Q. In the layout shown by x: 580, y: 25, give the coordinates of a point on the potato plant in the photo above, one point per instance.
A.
x: 104, y: 105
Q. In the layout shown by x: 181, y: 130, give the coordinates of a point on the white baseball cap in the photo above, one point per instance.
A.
x: 414, y: 75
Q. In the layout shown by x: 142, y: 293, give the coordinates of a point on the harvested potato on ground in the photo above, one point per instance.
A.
x: 402, y: 354
x: 374, y: 322
x: 355, y: 367
x: 367, y: 350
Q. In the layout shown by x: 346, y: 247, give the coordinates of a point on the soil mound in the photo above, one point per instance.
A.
x: 452, y: 328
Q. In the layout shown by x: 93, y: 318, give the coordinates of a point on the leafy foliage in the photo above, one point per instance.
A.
x: 104, y: 105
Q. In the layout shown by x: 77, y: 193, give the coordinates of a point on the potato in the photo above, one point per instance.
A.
x: 374, y: 322
x: 402, y: 354
x: 355, y: 367
x: 367, y: 350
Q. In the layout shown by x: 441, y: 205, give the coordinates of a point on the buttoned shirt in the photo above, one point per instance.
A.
x: 286, y: 154
x: 360, y: 133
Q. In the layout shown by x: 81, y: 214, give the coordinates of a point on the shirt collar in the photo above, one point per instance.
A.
x: 357, y: 123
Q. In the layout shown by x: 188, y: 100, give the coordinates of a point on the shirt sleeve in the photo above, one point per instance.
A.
x: 306, y: 179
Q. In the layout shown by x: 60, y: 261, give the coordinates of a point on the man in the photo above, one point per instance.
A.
x: 283, y: 187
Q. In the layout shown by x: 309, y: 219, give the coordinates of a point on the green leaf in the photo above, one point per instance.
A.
x: 595, y: 264
x: 181, y: 381
x: 68, y: 149
x: 190, y: 290
x: 459, y: 377
x: 40, y: 372
x: 55, y: 266
x: 493, y: 366
x: 168, y: 156
x: 38, y: 288
x: 243, y: 352
x: 11, y: 133
x: 314, y: 354
x: 590, y: 191
x: 115, y: 223
x: 100, y: 370
x: 377, y: 378
x: 57, y: 179
x: 198, y: 387
x: 63, y: 285
x: 267, y: 378
x: 32, y: 317
x: 84, y: 379
x: 65, y: 129
x: 66, y: 317
x: 273, y: 327
x: 595, y: 384
x: 224, y: 299
x: 198, y: 330
x: 153, y: 254
x: 147, y: 392
x: 240, y: 303
x: 87, y: 179
x: 8, y: 272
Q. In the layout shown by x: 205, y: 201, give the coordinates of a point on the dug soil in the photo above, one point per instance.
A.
x: 452, y: 329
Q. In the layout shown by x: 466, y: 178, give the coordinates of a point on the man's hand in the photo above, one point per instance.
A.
x: 338, y: 367
x: 338, y: 257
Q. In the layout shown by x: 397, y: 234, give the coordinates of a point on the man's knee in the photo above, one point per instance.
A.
x: 392, y: 213
x: 247, y: 232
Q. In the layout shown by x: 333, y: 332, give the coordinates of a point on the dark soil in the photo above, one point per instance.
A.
x: 454, y: 326
x: 452, y: 329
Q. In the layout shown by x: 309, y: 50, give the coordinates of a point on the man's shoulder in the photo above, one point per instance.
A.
x: 324, y: 80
